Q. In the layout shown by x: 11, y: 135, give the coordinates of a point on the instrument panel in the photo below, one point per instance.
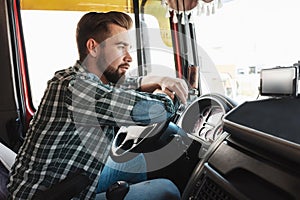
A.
x: 208, y: 125
x: 203, y: 118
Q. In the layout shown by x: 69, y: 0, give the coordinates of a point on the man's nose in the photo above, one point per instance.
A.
x: 127, y: 57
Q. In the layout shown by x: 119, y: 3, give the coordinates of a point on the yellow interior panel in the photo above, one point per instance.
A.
x: 152, y: 7
x: 78, y: 5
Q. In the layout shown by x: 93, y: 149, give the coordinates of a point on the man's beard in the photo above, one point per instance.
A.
x: 114, y: 76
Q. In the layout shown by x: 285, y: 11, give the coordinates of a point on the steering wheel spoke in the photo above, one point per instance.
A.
x: 133, y: 140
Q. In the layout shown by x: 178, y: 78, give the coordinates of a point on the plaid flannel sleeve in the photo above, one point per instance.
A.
x: 132, y: 82
x: 94, y: 103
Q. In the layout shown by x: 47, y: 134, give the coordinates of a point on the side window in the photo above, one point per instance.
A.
x: 158, y: 57
x: 51, y: 45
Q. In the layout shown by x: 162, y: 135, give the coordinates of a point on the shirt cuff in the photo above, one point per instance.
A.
x: 132, y: 82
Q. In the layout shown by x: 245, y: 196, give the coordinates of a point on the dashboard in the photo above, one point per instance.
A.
x: 254, y: 146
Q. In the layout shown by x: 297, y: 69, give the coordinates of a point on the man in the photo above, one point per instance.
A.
x: 83, y: 106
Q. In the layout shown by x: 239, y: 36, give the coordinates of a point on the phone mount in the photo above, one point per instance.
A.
x: 279, y: 81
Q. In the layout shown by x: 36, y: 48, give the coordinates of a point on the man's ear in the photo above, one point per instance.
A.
x: 91, y: 45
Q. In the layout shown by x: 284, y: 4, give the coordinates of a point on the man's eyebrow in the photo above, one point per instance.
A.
x: 123, y: 43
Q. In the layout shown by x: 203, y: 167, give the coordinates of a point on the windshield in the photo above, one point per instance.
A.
x: 245, y: 36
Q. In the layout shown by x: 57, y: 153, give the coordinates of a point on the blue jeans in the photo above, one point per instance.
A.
x: 134, y: 172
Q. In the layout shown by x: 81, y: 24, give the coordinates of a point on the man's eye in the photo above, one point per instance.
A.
x: 121, y: 46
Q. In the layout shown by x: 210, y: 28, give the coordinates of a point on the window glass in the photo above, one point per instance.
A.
x: 51, y: 45
x: 245, y: 36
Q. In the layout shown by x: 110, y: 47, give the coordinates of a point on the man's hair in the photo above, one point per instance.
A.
x: 95, y: 25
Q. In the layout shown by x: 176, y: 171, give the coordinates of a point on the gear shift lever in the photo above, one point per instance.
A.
x: 117, y: 191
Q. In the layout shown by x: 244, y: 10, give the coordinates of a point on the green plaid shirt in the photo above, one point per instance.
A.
x: 73, y: 129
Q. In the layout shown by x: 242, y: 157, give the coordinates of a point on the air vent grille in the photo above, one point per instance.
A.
x: 207, y: 189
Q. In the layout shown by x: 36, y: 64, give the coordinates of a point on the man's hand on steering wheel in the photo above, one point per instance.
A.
x: 166, y: 91
x: 166, y: 85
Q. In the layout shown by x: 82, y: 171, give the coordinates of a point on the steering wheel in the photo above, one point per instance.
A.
x: 132, y: 140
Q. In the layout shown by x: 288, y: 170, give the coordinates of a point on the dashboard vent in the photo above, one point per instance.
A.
x: 207, y: 189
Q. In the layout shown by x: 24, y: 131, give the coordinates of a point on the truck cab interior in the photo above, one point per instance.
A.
x: 236, y: 138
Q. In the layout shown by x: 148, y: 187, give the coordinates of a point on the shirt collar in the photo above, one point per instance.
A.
x: 82, y: 69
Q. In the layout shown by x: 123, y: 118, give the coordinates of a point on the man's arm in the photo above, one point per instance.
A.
x: 94, y: 103
x: 166, y: 85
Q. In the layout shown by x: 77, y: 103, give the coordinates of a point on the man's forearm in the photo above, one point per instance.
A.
x: 149, y: 87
